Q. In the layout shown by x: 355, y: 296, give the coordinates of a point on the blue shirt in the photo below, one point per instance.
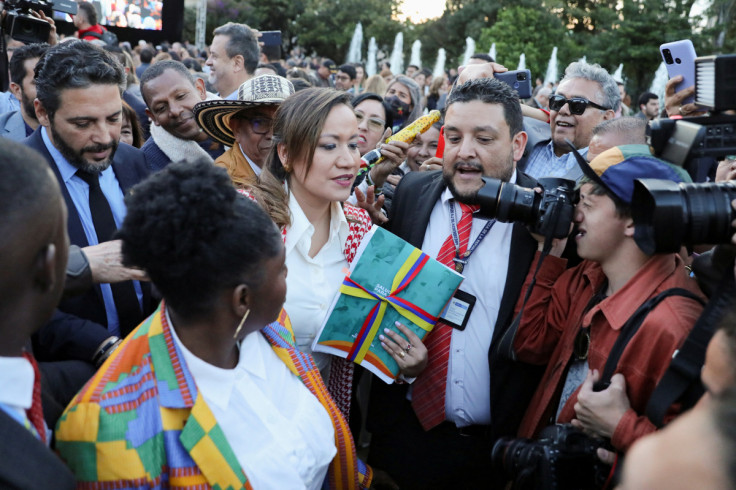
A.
x: 543, y: 162
x: 79, y: 193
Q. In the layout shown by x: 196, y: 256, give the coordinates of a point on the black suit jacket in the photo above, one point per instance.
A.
x: 25, y: 462
x: 512, y: 383
x: 81, y: 322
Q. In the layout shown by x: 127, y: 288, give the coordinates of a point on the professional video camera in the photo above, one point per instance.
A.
x: 668, y: 215
x: 23, y: 27
x: 683, y: 141
x: 562, y: 458
x: 549, y: 213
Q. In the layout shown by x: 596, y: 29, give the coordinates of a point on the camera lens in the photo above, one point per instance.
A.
x: 667, y: 56
x: 521, y: 76
x: 668, y: 215
x: 678, y: 60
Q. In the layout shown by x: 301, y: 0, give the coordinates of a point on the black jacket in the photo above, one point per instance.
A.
x: 512, y: 383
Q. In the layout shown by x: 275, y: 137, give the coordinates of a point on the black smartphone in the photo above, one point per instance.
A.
x: 270, y: 38
x: 519, y: 80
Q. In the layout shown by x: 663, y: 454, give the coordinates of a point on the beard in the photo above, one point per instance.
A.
x: 28, y: 107
x: 75, y: 157
x: 471, y: 196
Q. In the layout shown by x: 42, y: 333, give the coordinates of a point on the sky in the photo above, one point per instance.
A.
x: 420, y: 10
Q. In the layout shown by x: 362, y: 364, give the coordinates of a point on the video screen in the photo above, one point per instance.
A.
x: 136, y: 14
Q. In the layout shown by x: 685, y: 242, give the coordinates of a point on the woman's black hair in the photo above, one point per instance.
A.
x: 371, y: 96
x: 194, y: 235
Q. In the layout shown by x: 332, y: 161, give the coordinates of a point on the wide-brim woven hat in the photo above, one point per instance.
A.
x: 213, y: 116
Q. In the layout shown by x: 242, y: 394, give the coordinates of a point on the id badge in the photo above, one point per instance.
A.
x: 458, y: 309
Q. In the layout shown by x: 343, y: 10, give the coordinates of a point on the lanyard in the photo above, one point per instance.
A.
x: 461, y: 260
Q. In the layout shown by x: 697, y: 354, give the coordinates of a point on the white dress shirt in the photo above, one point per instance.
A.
x: 16, y: 389
x: 280, y: 433
x: 312, y: 282
x: 467, y: 398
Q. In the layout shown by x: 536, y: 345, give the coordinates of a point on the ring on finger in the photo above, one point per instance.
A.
x: 408, y: 348
x: 402, y: 354
x: 682, y: 113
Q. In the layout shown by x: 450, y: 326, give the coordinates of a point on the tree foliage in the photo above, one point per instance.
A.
x: 608, y: 32
x: 541, y: 32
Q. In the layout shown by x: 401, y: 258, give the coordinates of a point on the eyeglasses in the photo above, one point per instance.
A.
x: 373, y: 122
x: 260, y: 125
x: 577, y: 105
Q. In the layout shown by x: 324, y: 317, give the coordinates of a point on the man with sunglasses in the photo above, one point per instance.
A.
x: 245, y: 125
x: 575, y: 317
x: 170, y: 92
x: 586, y: 96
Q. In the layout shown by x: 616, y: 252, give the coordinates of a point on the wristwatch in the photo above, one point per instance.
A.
x: 78, y: 272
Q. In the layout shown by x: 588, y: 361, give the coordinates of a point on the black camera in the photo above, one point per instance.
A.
x: 549, y: 213
x: 22, y: 26
x: 562, y: 458
x: 668, y: 215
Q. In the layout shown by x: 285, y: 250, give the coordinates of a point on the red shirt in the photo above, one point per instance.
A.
x: 82, y: 33
x: 553, y: 317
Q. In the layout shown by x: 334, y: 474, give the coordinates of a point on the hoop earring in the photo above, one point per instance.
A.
x: 242, y: 322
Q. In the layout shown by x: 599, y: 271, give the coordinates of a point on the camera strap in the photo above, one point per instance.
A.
x: 505, y: 347
x: 462, y: 259
x: 630, y: 328
x: 681, y: 382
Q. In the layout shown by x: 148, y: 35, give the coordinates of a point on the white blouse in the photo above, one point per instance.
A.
x: 280, y: 433
x: 312, y: 282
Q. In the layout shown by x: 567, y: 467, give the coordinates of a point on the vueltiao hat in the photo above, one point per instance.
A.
x: 213, y: 116
x: 616, y: 169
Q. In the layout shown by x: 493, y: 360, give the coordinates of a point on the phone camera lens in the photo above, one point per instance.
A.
x: 678, y: 60
x: 667, y: 56
x: 521, y: 76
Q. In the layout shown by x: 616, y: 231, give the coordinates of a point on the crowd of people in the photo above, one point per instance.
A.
x: 176, y: 223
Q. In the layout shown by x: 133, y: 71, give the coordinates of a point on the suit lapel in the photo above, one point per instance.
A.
x: 428, y: 195
x: 76, y: 232
x: 523, y: 247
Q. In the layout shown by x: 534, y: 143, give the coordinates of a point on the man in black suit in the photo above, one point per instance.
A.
x: 33, y: 253
x: 438, y: 433
x: 78, y: 104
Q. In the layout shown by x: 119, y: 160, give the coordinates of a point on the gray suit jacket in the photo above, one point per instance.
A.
x: 12, y: 126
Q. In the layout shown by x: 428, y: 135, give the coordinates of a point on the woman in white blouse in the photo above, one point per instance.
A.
x: 304, y: 186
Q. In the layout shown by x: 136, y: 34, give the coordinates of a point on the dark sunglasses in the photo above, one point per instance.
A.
x: 577, y: 105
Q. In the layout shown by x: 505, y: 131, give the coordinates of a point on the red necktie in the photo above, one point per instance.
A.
x: 35, y: 413
x: 428, y: 395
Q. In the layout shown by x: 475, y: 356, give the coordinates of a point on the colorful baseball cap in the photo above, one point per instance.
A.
x: 616, y: 169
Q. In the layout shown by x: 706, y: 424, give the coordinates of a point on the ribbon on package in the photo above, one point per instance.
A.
x: 408, y: 271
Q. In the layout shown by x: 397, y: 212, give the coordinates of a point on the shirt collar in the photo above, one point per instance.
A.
x: 250, y: 359
x: 551, y: 149
x: 301, y: 227
x: 66, y: 169
x: 256, y: 168
x: 447, y: 194
x: 622, y: 304
x: 16, y: 379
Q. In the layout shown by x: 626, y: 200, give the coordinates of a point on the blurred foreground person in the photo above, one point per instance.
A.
x: 33, y: 256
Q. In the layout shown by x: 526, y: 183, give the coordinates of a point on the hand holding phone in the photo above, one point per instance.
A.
x: 519, y: 80
x: 679, y: 58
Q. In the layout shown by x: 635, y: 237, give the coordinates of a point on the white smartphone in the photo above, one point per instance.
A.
x: 679, y: 57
